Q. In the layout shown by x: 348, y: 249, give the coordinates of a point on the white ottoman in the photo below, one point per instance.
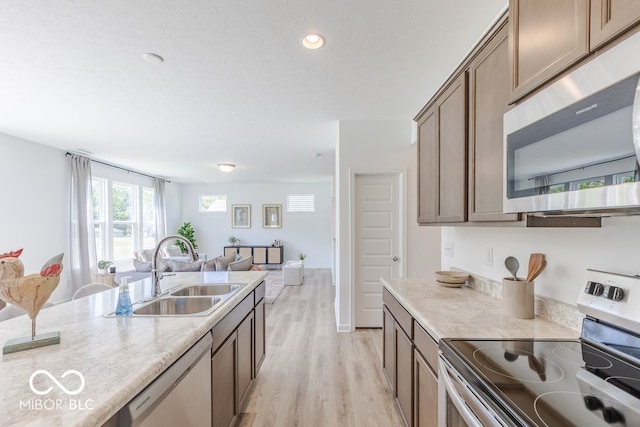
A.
x: 292, y: 273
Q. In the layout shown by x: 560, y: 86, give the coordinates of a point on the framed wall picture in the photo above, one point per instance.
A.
x: 272, y: 216
x: 241, y: 216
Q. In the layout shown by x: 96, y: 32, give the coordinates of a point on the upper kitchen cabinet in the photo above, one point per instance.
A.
x: 610, y: 18
x: 488, y: 101
x: 545, y: 38
x: 442, y: 156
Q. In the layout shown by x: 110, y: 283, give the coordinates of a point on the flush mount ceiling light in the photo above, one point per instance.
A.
x: 153, y: 58
x: 226, y: 167
x: 313, y: 41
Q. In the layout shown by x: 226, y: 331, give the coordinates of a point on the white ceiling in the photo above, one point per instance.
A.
x: 236, y: 85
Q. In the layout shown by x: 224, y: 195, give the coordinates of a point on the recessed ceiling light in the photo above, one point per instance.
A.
x: 316, y: 155
x: 226, y: 167
x: 313, y: 41
x: 153, y: 58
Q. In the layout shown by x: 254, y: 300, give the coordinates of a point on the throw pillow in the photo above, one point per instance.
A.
x: 180, y: 266
x: 210, y: 265
x: 242, y: 265
x: 222, y: 262
x: 141, y: 266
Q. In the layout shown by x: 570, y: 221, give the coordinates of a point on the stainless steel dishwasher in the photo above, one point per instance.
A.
x: 181, y: 395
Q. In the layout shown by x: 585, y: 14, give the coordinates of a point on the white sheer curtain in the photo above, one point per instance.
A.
x: 83, y: 242
x: 159, y: 209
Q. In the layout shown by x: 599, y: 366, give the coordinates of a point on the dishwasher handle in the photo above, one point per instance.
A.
x: 166, y: 381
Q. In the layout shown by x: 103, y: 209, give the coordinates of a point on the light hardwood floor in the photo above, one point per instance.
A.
x: 313, y: 375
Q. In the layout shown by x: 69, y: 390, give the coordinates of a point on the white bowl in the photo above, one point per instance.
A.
x: 451, y: 279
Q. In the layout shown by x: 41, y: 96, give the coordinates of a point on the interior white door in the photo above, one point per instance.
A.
x: 377, y: 227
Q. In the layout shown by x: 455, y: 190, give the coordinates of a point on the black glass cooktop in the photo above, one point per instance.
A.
x: 549, y: 382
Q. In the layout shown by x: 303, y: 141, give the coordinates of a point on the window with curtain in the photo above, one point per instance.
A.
x: 124, y: 219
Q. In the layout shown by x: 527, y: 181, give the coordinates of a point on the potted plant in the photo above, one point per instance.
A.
x: 103, y: 265
x: 301, y: 257
x: 187, y: 232
x: 234, y: 240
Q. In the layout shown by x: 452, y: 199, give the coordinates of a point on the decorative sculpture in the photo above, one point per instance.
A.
x: 29, y: 293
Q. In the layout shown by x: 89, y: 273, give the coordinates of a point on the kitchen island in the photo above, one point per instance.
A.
x: 116, y: 356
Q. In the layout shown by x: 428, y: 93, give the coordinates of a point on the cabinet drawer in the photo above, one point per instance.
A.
x: 259, y: 293
x: 401, y: 315
x: 426, y: 346
x: 230, y: 322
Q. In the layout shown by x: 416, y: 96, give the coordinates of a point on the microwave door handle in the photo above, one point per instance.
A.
x: 635, y: 122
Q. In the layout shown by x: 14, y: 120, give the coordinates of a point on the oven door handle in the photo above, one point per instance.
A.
x: 474, y: 412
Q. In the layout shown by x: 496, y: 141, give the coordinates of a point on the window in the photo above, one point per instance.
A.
x: 212, y: 203
x: 301, y: 203
x: 124, y: 219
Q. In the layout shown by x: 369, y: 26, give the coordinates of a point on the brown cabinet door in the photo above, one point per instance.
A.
x: 244, y: 359
x: 223, y: 381
x: 427, y: 167
x: 389, y: 348
x: 259, y: 337
x: 545, y: 37
x: 488, y: 100
x: 404, y: 374
x: 425, y: 396
x: 274, y: 255
x: 452, y: 146
x: 610, y: 18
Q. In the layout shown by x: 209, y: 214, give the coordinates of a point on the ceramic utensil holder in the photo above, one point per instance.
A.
x: 518, y: 298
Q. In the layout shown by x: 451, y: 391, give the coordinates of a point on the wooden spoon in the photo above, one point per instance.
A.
x: 534, y: 263
x: 536, y: 271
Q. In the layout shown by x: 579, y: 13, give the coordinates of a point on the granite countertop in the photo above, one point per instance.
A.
x: 466, y: 313
x: 117, y: 356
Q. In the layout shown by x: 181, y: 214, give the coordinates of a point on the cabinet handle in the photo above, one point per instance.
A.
x: 395, y: 259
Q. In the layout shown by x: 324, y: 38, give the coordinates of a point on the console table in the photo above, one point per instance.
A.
x: 261, y: 254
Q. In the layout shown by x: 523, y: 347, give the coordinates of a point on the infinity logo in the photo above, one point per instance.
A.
x: 60, y: 386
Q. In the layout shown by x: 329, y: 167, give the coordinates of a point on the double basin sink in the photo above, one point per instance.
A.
x: 188, y: 300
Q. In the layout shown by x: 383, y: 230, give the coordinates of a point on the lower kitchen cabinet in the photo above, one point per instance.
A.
x: 222, y: 381
x: 238, y: 342
x: 410, y: 361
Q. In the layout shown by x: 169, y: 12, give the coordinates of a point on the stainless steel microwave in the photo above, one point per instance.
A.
x: 573, y: 148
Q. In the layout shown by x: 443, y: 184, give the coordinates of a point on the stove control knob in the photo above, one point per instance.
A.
x: 614, y: 293
x: 593, y: 403
x: 612, y: 415
x: 595, y: 288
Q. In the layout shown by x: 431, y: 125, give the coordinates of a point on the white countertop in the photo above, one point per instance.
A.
x: 466, y: 313
x: 117, y: 356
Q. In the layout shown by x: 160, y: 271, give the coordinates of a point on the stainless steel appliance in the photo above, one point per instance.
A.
x: 591, y: 381
x: 179, y: 396
x: 573, y: 148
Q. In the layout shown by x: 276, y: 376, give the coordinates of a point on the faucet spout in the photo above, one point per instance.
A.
x: 155, y: 275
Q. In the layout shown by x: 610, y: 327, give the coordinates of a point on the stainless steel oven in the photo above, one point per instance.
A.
x: 590, y: 381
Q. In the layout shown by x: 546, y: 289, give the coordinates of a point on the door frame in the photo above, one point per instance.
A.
x: 401, y: 176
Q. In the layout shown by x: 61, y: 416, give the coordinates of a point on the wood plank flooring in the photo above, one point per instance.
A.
x: 313, y: 375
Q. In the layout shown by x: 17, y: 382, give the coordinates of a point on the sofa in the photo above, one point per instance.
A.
x: 142, y: 265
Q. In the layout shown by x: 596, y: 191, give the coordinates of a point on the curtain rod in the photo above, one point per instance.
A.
x: 118, y: 167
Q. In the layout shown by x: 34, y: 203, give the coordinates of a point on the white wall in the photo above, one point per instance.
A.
x: 301, y: 232
x: 378, y: 146
x: 35, y: 205
x: 569, y: 252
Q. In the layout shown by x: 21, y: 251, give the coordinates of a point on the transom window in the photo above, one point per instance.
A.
x: 212, y: 203
x: 301, y: 203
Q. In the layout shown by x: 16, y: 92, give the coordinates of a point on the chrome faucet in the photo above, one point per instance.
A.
x: 155, y: 276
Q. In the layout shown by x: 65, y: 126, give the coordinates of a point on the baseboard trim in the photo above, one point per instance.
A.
x: 344, y: 327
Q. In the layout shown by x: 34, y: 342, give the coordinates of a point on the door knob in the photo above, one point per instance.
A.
x: 395, y: 259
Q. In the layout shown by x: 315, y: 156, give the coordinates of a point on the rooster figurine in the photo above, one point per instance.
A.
x: 28, y: 292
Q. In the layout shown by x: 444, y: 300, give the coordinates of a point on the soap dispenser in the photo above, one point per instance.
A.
x: 124, y: 300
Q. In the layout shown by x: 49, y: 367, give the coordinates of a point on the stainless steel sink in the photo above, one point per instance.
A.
x: 178, y: 306
x: 207, y: 290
